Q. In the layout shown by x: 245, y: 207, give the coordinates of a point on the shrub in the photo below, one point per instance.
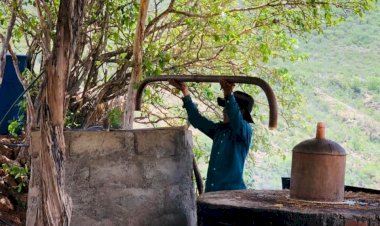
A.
x: 115, y: 117
x: 16, y: 126
x: 19, y: 173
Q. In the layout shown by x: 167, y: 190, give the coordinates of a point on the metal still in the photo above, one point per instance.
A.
x: 318, y: 168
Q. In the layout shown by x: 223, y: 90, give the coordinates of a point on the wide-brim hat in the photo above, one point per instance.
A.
x: 244, y: 100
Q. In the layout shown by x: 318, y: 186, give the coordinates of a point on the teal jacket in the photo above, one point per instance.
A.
x: 230, y: 146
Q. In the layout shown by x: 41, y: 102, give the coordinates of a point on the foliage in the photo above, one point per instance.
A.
x: 20, y: 174
x: 115, y: 117
x: 338, y: 83
x: 181, y: 37
x: 70, y: 121
x: 17, y: 125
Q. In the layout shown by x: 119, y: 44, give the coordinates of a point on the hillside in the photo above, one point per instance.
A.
x: 340, y: 85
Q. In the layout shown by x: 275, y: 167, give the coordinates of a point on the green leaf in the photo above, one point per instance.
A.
x: 216, y: 37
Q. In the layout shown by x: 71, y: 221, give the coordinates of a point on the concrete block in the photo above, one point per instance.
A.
x: 87, y: 221
x: 187, y: 197
x: 163, y: 172
x: 98, y: 143
x: 109, y: 173
x: 160, y: 144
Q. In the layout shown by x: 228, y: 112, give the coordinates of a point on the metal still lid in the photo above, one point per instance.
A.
x: 319, y: 145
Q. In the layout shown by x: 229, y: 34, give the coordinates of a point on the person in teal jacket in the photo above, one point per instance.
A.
x: 231, y: 138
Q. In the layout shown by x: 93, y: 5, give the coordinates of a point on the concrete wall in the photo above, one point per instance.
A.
x: 139, y: 177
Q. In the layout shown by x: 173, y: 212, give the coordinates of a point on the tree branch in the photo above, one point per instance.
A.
x: 7, y: 38
x: 158, y: 18
x: 253, y: 8
x: 45, y: 30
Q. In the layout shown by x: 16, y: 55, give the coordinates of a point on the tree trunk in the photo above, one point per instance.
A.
x: 137, y: 66
x: 48, y: 203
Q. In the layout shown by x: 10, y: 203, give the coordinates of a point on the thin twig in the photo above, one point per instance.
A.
x: 7, y: 38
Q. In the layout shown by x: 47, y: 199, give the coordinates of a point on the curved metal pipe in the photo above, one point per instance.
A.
x: 211, y: 78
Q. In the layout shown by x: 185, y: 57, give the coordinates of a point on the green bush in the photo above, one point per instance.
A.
x: 20, y: 174
x: 373, y: 84
x: 70, y: 121
x: 115, y: 117
x: 16, y: 126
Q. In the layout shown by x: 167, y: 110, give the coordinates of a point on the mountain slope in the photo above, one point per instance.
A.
x: 340, y: 83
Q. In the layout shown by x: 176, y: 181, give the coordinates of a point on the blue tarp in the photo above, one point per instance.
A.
x: 10, y: 89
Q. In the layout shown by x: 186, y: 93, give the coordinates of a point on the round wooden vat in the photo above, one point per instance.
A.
x: 261, y: 207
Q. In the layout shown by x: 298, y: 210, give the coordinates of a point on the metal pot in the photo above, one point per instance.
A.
x: 318, y: 168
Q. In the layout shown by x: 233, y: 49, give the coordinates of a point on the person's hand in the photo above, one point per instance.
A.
x: 226, y: 86
x: 180, y: 85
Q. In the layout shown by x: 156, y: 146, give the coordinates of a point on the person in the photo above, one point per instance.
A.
x: 231, y: 138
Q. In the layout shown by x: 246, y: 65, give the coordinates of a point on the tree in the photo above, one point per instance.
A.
x: 137, y: 66
x: 48, y: 202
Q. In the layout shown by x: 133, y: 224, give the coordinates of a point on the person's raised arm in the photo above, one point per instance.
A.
x: 240, y: 127
x: 195, y: 118
x: 181, y: 86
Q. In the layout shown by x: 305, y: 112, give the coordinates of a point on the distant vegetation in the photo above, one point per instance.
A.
x: 340, y: 85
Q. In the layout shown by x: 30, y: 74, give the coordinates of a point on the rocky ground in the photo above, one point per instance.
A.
x: 13, y: 181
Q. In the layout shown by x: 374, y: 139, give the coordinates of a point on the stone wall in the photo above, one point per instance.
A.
x: 137, y: 177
